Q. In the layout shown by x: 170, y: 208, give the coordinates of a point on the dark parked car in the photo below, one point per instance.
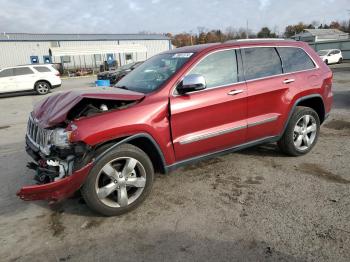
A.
x: 115, y: 75
x: 178, y: 107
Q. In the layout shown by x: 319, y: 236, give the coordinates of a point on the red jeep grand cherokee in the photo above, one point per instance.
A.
x: 180, y: 106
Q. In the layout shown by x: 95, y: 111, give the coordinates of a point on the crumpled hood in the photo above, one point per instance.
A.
x: 53, y: 110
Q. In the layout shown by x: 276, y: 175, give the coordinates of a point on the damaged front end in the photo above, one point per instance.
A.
x: 61, y: 164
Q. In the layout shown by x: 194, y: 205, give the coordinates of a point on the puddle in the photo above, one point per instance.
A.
x: 202, y: 164
x: 56, y: 225
x: 320, y: 172
x: 338, y: 125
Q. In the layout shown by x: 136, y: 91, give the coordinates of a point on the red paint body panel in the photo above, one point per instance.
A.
x: 172, y: 120
x: 57, y: 190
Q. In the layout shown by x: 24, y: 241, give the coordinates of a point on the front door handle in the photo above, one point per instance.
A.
x: 287, y: 81
x: 235, y: 92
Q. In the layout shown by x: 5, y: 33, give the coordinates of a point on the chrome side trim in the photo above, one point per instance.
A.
x: 196, y: 138
x: 264, y: 121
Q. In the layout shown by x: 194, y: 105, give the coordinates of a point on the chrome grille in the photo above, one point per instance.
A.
x: 38, y: 136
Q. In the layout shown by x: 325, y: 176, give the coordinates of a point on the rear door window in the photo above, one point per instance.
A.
x: 19, y: 71
x: 6, y: 72
x: 261, y: 62
x: 42, y: 69
x: 218, y: 69
x: 295, y: 59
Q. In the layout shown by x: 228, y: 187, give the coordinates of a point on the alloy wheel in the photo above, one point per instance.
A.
x: 120, y: 182
x: 305, y: 132
x: 42, y: 88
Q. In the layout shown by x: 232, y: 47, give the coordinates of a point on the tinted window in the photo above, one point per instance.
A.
x: 294, y: 59
x: 42, y: 69
x: 218, y: 69
x: 261, y: 62
x: 6, y: 72
x: 22, y: 71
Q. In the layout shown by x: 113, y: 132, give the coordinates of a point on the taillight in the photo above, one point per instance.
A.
x: 58, y: 74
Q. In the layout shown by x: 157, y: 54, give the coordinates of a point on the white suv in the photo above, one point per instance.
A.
x: 331, y: 56
x: 40, y: 78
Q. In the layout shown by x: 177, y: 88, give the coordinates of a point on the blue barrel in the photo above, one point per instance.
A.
x: 103, y: 83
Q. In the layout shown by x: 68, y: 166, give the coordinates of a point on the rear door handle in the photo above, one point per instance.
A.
x: 235, y: 92
x: 287, y: 81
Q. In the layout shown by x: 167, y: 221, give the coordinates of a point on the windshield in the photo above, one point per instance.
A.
x: 127, y: 66
x: 322, y: 52
x: 150, y: 75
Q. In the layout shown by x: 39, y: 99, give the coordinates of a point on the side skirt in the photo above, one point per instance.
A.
x: 270, y: 139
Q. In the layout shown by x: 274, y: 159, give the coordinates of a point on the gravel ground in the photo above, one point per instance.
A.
x: 253, y: 205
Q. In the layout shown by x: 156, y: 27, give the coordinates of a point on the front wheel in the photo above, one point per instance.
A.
x: 42, y: 88
x: 340, y: 60
x: 301, y: 133
x: 119, y: 182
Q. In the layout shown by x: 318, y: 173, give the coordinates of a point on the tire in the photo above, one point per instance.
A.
x: 340, y: 60
x: 113, y: 193
x: 298, y: 139
x: 42, y: 88
x: 326, y: 61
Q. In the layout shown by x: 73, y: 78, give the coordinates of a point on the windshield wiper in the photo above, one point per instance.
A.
x: 122, y: 87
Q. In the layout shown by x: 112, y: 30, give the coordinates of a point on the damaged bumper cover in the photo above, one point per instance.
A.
x: 56, y: 190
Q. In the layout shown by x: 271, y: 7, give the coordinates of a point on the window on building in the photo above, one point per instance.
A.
x: 294, y: 59
x: 261, y: 62
x: 218, y: 69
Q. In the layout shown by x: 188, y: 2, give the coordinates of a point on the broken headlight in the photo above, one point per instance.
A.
x: 60, y: 138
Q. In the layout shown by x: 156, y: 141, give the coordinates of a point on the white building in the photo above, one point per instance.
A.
x: 79, y: 50
x: 319, y: 35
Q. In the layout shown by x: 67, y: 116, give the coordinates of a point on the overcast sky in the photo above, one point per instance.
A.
x: 161, y: 16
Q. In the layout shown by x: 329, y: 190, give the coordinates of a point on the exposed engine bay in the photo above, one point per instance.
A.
x: 90, y: 106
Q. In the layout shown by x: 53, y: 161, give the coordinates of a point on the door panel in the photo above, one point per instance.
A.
x: 208, y: 121
x: 7, y: 83
x: 215, y: 118
x: 24, y: 78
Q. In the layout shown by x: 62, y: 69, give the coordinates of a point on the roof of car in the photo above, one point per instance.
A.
x: 235, y: 43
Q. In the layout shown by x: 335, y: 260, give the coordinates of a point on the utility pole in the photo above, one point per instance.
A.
x: 247, y: 33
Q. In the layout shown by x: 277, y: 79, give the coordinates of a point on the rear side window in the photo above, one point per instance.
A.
x: 22, y: 71
x: 218, y: 69
x: 261, y: 62
x: 6, y: 72
x: 42, y: 69
x: 294, y: 59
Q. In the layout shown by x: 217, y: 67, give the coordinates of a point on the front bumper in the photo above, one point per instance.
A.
x: 57, y: 190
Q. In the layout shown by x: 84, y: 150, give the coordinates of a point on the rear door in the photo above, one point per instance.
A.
x: 24, y: 78
x: 267, y: 90
x: 7, y: 83
x: 214, y: 118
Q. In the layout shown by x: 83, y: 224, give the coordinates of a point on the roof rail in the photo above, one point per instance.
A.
x: 256, y: 39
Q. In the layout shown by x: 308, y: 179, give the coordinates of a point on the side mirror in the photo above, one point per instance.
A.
x: 190, y: 83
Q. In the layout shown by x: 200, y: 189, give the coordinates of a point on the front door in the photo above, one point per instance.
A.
x: 212, y: 119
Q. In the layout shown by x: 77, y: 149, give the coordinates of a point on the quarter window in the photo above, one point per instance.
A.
x: 218, y: 69
x: 22, y: 71
x: 6, y: 72
x: 261, y: 62
x: 42, y: 69
x: 294, y: 59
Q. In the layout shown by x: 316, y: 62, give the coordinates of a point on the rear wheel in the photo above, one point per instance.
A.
x: 301, y: 133
x: 42, y: 88
x: 119, y: 182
